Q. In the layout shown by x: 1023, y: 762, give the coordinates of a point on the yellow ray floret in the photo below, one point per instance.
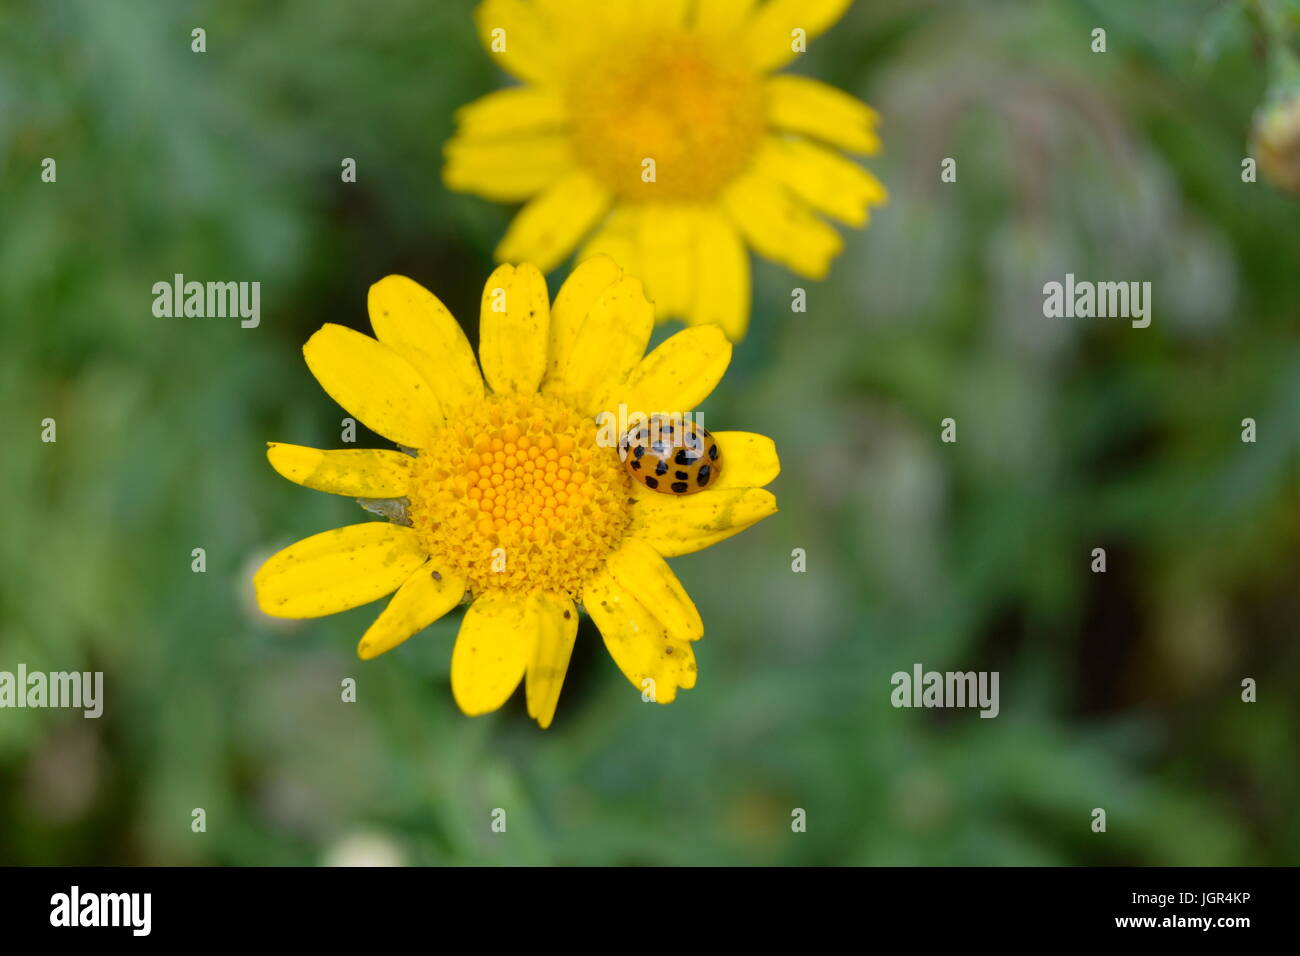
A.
x: 509, y: 491
x: 659, y: 135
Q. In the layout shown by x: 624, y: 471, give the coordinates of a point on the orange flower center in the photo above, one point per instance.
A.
x: 666, y: 118
x: 517, y: 494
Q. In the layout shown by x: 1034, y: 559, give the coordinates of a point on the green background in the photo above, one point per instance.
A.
x: 1118, y: 690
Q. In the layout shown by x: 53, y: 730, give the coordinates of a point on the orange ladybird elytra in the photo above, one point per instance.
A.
x: 671, y: 455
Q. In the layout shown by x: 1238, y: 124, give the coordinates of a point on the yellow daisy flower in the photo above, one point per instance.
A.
x: 654, y: 130
x: 510, y: 490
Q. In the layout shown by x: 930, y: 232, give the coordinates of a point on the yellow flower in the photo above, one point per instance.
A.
x: 510, y: 491
x: 654, y: 130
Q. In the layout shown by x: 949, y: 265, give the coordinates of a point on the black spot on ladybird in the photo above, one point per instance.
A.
x: 680, y: 487
x: 651, y: 482
x: 661, y: 468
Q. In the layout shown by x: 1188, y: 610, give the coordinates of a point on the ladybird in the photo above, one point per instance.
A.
x: 671, y: 455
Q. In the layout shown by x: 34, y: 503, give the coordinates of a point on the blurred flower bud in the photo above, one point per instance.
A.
x: 1276, y: 139
x: 365, y: 848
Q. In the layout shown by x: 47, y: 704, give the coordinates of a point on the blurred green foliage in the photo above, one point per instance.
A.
x: 1119, y: 691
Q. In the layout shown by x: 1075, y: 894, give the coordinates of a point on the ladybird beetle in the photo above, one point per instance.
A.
x: 671, y: 455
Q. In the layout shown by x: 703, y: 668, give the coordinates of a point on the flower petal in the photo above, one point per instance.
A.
x: 374, y: 383
x: 722, y: 289
x: 581, y: 29
x: 584, y: 286
x: 426, y: 595
x: 519, y: 38
x: 801, y: 104
x: 355, y: 472
x: 668, y: 257
x: 507, y: 170
x: 676, y: 377
x: 656, y: 664
x: 337, y: 570
x: 748, y: 460
x: 781, y: 227
x: 721, y: 17
x: 491, y: 652
x: 662, y: 14
x: 511, y: 113
x: 617, y: 239
x: 693, y: 261
x: 549, y: 227
x: 674, y: 525
x: 769, y: 34
x: 645, y: 575
x: 557, y: 628
x: 409, y: 319
x: 609, y: 344
x: 825, y: 180
x: 514, y: 329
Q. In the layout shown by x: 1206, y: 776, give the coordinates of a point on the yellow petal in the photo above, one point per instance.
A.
x: 355, y: 472
x: 663, y: 14
x: 580, y: 29
x: 337, y: 570
x: 668, y: 257
x: 557, y: 627
x: 674, y: 525
x: 693, y: 261
x: 617, y: 239
x: 639, y: 570
x: 748, y: 460
x: 549, y: 227
x: 609, y: 344
x: 507, y: 170
x: 585, y: 284
x: 656, y: 664
x: 514, y: 329
x: 409, y: 319
x: 518, y: 38
x: 374, y: 383
x: 491, y: 652
x: 676, y: 377
x: 510, y: 113
x: 801, y: 104
x: 425, y: 596
x: 721, y: 17
x: 781, y: 227
x: 722, y: 288
x: 823, y: 179
x: 769, y: 35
